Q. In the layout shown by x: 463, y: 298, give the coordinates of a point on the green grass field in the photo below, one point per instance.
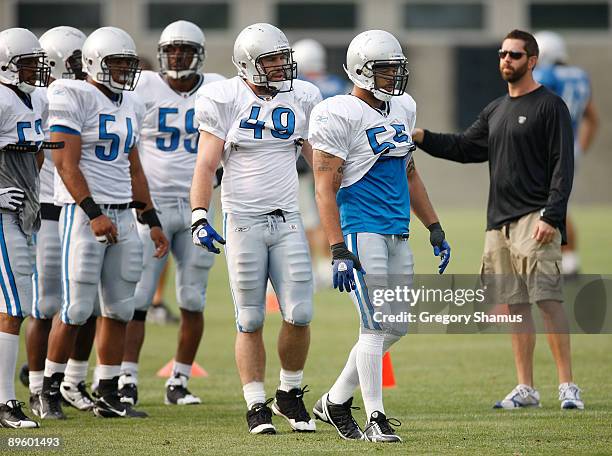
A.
x: 446, y: 384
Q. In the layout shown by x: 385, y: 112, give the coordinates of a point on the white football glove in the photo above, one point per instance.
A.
x: 11, y: 198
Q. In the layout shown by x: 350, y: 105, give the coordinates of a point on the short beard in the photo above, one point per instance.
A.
x: 515, y: 76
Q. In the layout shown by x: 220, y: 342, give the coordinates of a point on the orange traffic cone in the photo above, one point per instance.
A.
x: 272, y: 305
x: 196, y: 370
x: 388, y: 376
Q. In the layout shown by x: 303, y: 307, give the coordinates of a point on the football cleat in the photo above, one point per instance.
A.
x: 24, y: 375
x: 379, y: 429
x: 569, y: 395
x: 521, y: 396
x: 12, y: 416
x: 128, y: 389
x: 111, y: 406
x: 290, y: 405
x: 76, y: 395
x: 177, y: 392
x: 339, y: 416
x: 48, y: 405
x: 259, y: 419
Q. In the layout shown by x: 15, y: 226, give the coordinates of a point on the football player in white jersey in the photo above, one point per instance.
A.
x: 256, y: 125
x: 168, y: 148
x: 62, y: 46
x: 99, y: 121
x: 366, y: 184
x: 23, y: 111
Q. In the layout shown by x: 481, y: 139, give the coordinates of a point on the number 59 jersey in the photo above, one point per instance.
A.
x: 262, y: 142
x: 169, y: 135
x: 376, y: 146
x: 108, y: 129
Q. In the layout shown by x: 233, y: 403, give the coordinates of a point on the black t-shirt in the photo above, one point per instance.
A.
x: 528, y: 142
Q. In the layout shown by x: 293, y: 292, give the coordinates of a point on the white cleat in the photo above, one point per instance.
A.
x: 569, y: 395
x: 76, y: 395
x: 520, y: 397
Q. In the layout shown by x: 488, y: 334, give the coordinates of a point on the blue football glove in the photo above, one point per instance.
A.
x: 441, y: 248
x: 343, y: 264
x: 204, y: 236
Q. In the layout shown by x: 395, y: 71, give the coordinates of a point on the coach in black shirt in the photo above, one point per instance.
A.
x: 526, y: 136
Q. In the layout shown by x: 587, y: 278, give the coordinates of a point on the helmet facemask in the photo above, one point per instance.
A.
x: 120, y: 72
x: 31, y: 70
x: 74, y: 67
x: 388, y: 77
x: 183, y: 64
x: 274, y: 76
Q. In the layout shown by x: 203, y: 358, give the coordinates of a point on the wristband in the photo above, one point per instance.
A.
x: 90, y: 208
x: 435, y: 226
x: 149, y: 218
x: 198, y: 214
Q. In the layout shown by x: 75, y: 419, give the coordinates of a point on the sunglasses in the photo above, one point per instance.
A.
x: 514, y: 55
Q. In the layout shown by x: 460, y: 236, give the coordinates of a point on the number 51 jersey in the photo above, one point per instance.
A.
x: 262, y: 142
x: 376, y: 146
x: 108, y: 129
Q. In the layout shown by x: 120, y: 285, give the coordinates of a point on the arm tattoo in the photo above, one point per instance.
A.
x: 323, y: 160
x: 410, y: 168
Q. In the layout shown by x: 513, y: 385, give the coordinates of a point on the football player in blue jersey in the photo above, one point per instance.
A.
x: 573, y: 84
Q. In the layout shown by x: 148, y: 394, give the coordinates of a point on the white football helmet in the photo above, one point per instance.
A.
x: 186, y: 63
x: 22, y: 60
x: 63, y: 46
x: 110, y: 58
x: 368, y: 54
x: 262, y: 40
x: 552, y: 48
x: 311, y: 56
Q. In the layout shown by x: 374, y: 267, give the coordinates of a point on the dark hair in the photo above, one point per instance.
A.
x: 531, y: 45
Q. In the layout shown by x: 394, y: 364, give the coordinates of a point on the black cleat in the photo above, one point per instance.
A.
x: 49, y: 406
x: 379, y: 429
x: 128, y: 390
x: 339, y: 416
x: 259, y: 419
x: 177, y: 392
x: 24, y: 375
x: 290, y: 405
x: 11, y: 416
x: 111, y: 406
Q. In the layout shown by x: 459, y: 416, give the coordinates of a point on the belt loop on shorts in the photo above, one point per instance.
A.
x: 507, y: 228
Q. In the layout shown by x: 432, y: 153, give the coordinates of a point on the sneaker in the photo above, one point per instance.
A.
x: 24, y: 375
x: 290, y: 405
x: 76, y: 395
x: 128, y: 389
x: 11, y: 416
x: 521, y: 396
x: 259, y: 419
x: 339, y: 416
x: 111, y: 406
x: 379, y: 429
x: 159, y: 314
x: 49, y: 406
x: 177, y: 392
x: 569, y: 395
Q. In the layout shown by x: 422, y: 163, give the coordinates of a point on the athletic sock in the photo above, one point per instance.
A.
x: 254, y: 393
x: 76, y: 371
x: 51, y: 367
x: 346, y: 383
x: 131, y: 369
x: 290, y: 379
x: 36, y: 381
x: 182, y: 369
x: 369, y: 366
x: 9, y: 348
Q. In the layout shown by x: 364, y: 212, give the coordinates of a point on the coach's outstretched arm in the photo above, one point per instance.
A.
x: 210, y: 151
x: 421, y: 205
x: 328, y: 170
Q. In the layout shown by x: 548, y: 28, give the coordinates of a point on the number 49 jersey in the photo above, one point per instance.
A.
x: 376, y: 146
x: 108, y: 130
x: 169, y: 135
x: 262, y: 142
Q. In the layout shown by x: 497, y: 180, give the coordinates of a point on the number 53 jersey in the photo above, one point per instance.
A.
x: 376, y: 146
x: 262, y: 142
x: 109, y: 130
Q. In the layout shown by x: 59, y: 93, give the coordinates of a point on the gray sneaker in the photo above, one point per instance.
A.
x: 379, y: 429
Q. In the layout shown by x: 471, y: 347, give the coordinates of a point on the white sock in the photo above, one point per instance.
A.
x: 51, y: 367
x: 254, y: 393
x: 290, y: 379
x: 182, y: 369
x: 9, y: 348
x: 76, y: 371
x: 95, y: 380
x: 348, y: 380
x: 36, y: 381
x: 369, y: 366
x: 131, y: 369
x: 108, y: 372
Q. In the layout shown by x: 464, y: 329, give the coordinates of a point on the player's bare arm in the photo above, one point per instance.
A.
x: 40, y: 159
x: 327, y: 170
x: 419, y: 199
x: 588, y: 126
x: 67, y: 162
x: 210, y: 151
x: 307, y: 153
x: 140, y: 192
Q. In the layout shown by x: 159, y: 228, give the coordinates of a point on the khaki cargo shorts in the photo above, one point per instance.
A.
x: 522, y: 269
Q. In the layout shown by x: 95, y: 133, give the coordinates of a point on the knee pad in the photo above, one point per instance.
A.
x: 250, y: 319
x: 301, y: 314
x: 79, y: 310
x: 121, y: 311
x: 191, y: 298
